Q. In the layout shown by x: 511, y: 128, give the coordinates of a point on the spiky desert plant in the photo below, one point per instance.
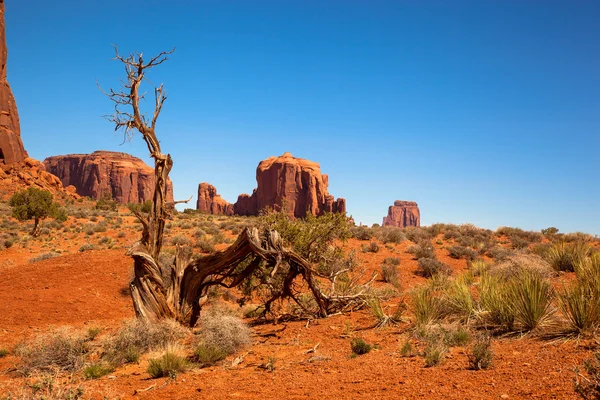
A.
x: 494, y: 301
x: 564, y: 256
x: 531, y: 299
x: 459, y: 299
x: 427, y: 306
x: 579, y: 306
x: 383, y: 318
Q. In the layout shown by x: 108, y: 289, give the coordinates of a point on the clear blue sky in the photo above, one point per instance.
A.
x: 485, y: 112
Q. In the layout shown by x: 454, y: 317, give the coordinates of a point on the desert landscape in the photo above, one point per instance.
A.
x: 113, y: 288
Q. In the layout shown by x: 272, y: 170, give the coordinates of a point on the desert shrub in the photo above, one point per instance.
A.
x: 478, y: 267
x: 429, y: 267
x: 87, y: 247
x: 140, y: 336
x: 106, y: 202
x: 499, y: 253
x: 3, y: 352
x: 389, y: 234
x: 218, y: 238
x: 423, y: 249
x: 393, y: 261
x: 389, y: 273
x: 515, y: 235
x: 180, y: 240
x: 62, y: 349
x: 407, y: 349
x: 480, y: 353
x: 361, y: 232
x: 35, y: 204
x: 461, y: 252
x: 370, y: 248
x: 222, y: 333
x: 427, y: 306
x: 44, y: 256
x: 204, y: 245
x: 563, y: 256
x: 550, y: 232
x: 359, y: 346
x: 97, y: 370
x: 587, y: 383
x: 518, y: 263
x: 170, y: 364
x: 417, y: 234
x: 457, y: 336
x: 435, y: 352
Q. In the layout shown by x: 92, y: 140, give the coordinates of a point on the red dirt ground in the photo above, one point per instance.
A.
x: 90, y: 289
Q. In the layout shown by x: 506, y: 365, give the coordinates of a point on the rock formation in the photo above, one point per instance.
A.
x: 285, y: 180
x: 403, y: 214
x: 11, y: 146
x: 209, y: 201
x: 126, y: 178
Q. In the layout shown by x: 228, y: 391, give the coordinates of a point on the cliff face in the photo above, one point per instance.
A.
x: 403, y: 214
x: 209, y: 201
x: 11, y: 146
x: 126, y: 178
x: 285, y: 180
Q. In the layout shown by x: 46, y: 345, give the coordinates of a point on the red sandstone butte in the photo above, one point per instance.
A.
x: 403, y: 214
x: 11, y: 146
x: 295, y: 182
x: 127, y: 178
x: 209, y: 201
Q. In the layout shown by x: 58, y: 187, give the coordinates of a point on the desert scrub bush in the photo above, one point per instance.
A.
x: 427, y: 306
x: 218, y: 238
x: 87, y: 247
x: 221, y: 334
x: 563, y: 256
x: 370, y: 248
x: 435, y: 352
x: 180, y: 240
x: 517, y: 263
x: 480, y: 354
x: 169, y: 364
x: 459, y: 252
x: 417, y: 234
x: 359, y: 346
x: 394, y: 261
x: 389, y: 234
x: 423, y: 249
x: 361, y: 232
x: 44, y: 256
x: 62, y: 349
x: 389, y: 274
x: 3, y: 352
x: 478, y: 267
x: 429, y: 267
x: 518, y: 235
x: 97, y: 370
x: 587, y: 383
x: 139, y: 336
x: 204, y: 245
x: 499, y: 253
x: 494, y: 300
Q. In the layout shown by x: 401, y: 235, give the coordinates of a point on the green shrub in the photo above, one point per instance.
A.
x: 209, y: 354
x: 389, y: 234
x: 423, y: 249
x: 563, y: 256
x: 427, y: 306
x: 204, y: 245
x: 531, y: 298
x: 359, y: 346
x: 3, y: 352
x: 97, y: 370
x: 435, y: 353
x: 389, y: 273
x: 370, y: 248
x: 480, y: 353
x: 429, y: 267
x: 170, y: 364
x: 494, y: 299
x: 361, y: 232
x: 461, y: 252
x: 459, y: 299
x: 35, y: 204
x: 383, y: 319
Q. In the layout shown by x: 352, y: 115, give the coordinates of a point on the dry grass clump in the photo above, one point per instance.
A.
x: 44, y: 256
x: 221, y: 334
x: 480, y: 353
x: 389, y: 234
x: 383, y: 318
x: 169, y: 364
x: 427, y: 306
x: 139, y: 336
x: 62, y: 349
x: 422, y: 249
x: 430, y: 267
x: 517, y: 263
x: 389, y: 274
x: 458, y: 298
x: 587, y: 384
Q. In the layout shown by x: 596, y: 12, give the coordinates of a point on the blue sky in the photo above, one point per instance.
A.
x: 485, y: 112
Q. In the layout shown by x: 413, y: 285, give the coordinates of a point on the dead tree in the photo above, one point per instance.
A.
x: 190, y: 280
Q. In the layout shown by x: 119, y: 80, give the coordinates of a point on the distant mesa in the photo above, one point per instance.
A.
x: 11, y: 146
x: 403, y: 214
x: 125, y: 177
x: 289, y: 180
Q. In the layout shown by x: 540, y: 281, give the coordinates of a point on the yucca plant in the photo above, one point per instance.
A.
x: 383, y: 319
x: 459, y: 298
x: 531, y: 299
x: 427, y: 306
x: 579, y: 306
x: 494, y: 300
x: 564, y: 256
